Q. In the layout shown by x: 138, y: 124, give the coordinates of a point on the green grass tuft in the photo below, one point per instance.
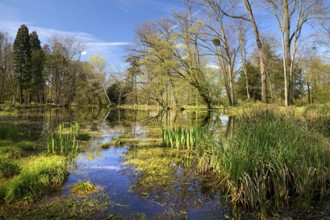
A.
x: 8, y: 168
x: 39, y: 176
x: 84, y: 187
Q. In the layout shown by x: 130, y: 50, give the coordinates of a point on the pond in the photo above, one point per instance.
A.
x: 152, y: 182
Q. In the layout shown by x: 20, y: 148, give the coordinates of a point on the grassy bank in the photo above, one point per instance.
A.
x: 278, y: 158
x: 38, y: 176
x: 27, y: 172
x: 273, y: 161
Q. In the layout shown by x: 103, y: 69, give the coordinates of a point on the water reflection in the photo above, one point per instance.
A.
x: 159, y: 183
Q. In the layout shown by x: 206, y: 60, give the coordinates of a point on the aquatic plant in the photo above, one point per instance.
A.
x: 8, y: 131
x: 99, y: 205
x: 271, y: 161
x: 39, y: 175
x: 84, y: 187
x: 184, y: 138
x: 63, y: 141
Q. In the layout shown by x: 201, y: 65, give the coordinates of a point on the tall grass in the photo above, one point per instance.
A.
x: 271, y: 161
x: 184, y: 138
x: 39, y: 175
x: 63, y: 141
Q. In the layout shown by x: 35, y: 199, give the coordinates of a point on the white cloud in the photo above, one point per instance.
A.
x: 84, y: 53
x: 93, y: 45
x: 213, y: 66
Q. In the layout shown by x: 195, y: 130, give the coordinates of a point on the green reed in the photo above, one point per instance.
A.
x: 63, y: 141
x: 270, y: 161
x: 183, y: 138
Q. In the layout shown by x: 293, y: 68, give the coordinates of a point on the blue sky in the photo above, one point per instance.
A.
x: 106, y: 27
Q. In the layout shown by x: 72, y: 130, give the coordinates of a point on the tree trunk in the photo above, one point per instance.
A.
x: 263, y: 73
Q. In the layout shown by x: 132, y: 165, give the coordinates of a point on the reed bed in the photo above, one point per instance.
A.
x: 63, y: 141
x: 184, y: 138
x: 271, y: 161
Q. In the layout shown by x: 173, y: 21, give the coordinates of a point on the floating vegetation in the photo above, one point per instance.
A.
x: 97, y: 206
x: 63, y: 141
x: 133, y: 142
x: 158, y: 166
x: 83, y: 188
x: 39, y: 175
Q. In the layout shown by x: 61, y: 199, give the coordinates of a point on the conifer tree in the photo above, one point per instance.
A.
x: 37, y: 66
x: 22, y: 60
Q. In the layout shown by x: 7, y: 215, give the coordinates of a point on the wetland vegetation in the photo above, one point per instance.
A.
x: 206, y: 121
x: 249, y: 166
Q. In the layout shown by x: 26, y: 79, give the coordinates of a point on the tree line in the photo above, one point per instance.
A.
x: 52, y: 73
x: 215, y: 52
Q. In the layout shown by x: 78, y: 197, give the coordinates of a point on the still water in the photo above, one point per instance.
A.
x: 170, y: 188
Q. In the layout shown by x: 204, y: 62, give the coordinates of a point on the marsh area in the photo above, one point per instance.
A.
x: 168, y: 185
x: 148, y: 164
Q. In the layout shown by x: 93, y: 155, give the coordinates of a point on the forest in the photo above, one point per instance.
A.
x: 216, y: 57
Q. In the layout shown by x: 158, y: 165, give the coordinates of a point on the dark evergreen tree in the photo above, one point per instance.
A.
x: 22, y: 61
x: 254, y: 83
x: 37, y: 66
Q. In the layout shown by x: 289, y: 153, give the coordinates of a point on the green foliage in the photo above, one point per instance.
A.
x: 63, y: 141
x: 254, y: 83
x: 157, y: 166
x: 12, y: 152
x: 22, y: 59
x: 65, y: 208
x: 184, y: 138
x: 118, y: 92
x: 27, y: 145
x: 37, y: 65
x: 271, y: 160
x: 8, y: 168
x: 8, y: 131
x: 39, y: 175
x: 84, y: 187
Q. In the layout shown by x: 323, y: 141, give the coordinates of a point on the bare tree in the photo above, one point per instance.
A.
x: 225, y: 48
x: 286, y: 12
x: 252, y: 21
x: 5, y: 65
